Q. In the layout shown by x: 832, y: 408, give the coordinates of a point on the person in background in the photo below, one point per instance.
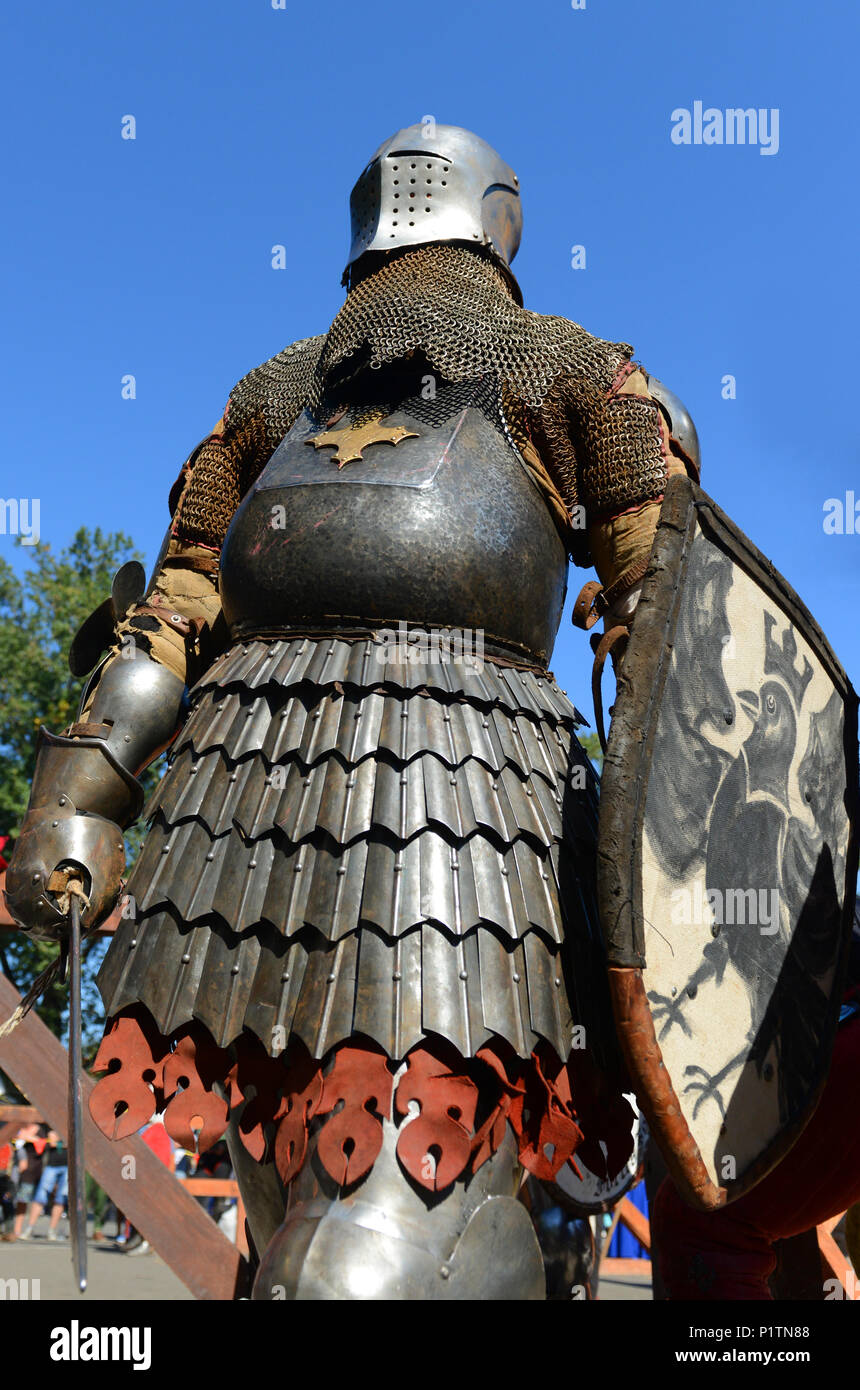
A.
x: 27, y: 1170
x: 53, y: 1186
x: 155, y: 1136
x: 215, y: 1163
x: 7, y: 1185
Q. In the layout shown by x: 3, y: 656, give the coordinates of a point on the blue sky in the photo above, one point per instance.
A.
x: 153, y: 256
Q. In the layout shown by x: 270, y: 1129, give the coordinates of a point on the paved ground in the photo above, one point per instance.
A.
x: 113, y: 1275
x: 632, y: 1287
x: 121, y: 1278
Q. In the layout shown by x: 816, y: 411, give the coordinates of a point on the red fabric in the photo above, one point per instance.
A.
x: 728, y: 1254
x: 157, y: 1139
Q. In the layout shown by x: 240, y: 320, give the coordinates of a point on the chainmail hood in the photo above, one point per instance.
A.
x: 453, y: 303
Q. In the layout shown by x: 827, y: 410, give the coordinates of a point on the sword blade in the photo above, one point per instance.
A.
x: 77, y: 1202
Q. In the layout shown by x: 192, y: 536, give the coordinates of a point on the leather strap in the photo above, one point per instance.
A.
x: 593, y: 601
x: 625, y: 581
x: 166, y: 615
x: 609, y: 643
x: 199, y: 564
x: 585, y: 611
x: 88, y: 731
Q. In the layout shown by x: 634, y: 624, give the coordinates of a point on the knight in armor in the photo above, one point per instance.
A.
x: 363, y: 939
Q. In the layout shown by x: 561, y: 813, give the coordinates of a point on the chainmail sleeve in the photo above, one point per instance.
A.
x: 608, y: 437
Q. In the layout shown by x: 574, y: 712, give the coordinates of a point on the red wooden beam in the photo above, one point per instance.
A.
x: 619, y: 1266
x: 24, y: 1114
x: 635, y: 1221
x: 834, y: 1263
x: 153, y: 1200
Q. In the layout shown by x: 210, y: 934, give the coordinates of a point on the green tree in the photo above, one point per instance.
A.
x: 591, y: 744
x: 41, y: 608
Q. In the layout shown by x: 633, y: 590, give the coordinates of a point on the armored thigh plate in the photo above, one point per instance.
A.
x: 436, y: 524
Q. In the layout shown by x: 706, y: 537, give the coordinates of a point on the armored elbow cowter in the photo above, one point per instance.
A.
x: 86, y: 791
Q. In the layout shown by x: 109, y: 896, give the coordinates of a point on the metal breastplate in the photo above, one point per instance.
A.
x: 441, y: 529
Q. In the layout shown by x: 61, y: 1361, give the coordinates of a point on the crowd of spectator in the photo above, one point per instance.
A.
x: 34, y: 1180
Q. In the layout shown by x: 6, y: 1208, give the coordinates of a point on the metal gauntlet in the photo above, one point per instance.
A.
x: 86, y: 791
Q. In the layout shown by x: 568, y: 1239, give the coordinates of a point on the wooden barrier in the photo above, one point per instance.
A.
x: 222, y: 1187
x: 636, y: 1222
x: 152, y: 1199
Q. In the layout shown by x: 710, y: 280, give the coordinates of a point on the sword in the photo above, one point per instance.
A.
x: 77, y: 1203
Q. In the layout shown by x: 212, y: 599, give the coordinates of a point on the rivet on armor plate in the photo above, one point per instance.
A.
x: 545, y: 877
x: 234, y: 776
x: 297, y: 868
x: 398, y: 868
x: 165, y: 849
x: 557, y: 982
x: 185, y: 960
x: 62, y: 801
x: 397, y: 975
x: 445, y: 1272
x: 517, y: 977
x: 252, y: 863
x: 505, y: 873
x: 133, y: 942
x: 404, y: 781
x: 191, y: 771
x: 210, y: 856
x: 331, y: 978
x: 55, y: 823
x: 36, y: 878
x: 464, y: 974
x: 285, y: 979
x: 341, y: 871
x: 234, y: 970
x: 529, y: 791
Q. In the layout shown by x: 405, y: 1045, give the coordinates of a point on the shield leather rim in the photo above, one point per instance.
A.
x: 628, y: 756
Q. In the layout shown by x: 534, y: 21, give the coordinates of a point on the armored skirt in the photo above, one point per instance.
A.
x: 367, y: 884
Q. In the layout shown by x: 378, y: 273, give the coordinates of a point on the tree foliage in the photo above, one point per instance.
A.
x: 591, y: 744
